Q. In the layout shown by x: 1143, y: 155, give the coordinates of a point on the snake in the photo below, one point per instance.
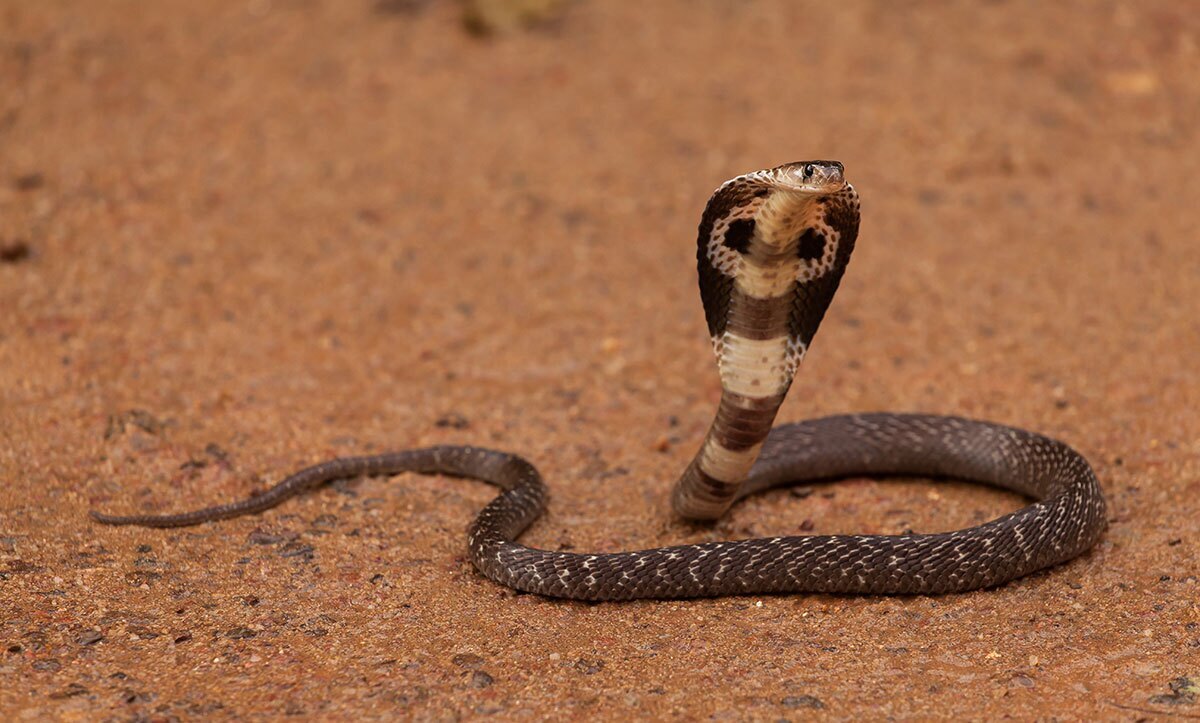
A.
x: 772, y: 248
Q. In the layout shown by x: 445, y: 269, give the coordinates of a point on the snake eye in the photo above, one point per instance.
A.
x: 808, y: 170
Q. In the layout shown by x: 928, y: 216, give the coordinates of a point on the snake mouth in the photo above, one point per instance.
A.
x: 809, y: 177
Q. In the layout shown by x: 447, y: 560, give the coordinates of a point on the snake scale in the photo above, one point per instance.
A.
x: 772, y: 248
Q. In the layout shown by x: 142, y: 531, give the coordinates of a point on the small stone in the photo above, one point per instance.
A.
x: 467, y: 660
x: 240, y: 633
x: 297, y: 549
x: 491, y: 17
x: 480, y: 679
x: 453, y: 420
x: 258, y: 537
x: 192, y: 465
x: 70, y: 691
x: 89, y: 637
x: 801, y: 492
x: 12, y: 252
x: 29, y: 181
x: 133, y: 696
x: 802, y: 701
x: 589, y: 667
x: 145, y: 421
x: 49, y: 665
x: 807, y: 525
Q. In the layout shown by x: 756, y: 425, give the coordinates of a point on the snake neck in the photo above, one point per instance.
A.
x: 770, y: 254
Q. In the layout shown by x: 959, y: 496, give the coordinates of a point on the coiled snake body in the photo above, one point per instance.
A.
x: 771, y: 251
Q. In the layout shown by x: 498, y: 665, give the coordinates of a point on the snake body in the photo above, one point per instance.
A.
x: 772, y: 248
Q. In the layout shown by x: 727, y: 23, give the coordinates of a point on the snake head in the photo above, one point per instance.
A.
x: 807, y: 177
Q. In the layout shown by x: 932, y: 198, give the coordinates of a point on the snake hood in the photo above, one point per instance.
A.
x: 775, y: 242
x: 771, y: 251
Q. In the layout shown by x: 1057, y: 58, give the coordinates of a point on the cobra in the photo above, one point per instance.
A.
x: 772, y: 248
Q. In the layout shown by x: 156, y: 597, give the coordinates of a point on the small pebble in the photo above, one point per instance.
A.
x: 467, y: 660
x: 453, y: 420
x: 70, y: 691
x: 29, y: 182
x: 802, y: 701
x: 12, y: 252
x: 259, y: 537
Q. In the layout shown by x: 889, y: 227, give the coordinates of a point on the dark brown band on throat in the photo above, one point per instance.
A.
x: 742, y: 401
x: 740, y: 429
x: 706, y: 491
x: 753, y: 318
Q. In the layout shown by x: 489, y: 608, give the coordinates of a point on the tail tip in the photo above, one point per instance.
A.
x: 103, y: 518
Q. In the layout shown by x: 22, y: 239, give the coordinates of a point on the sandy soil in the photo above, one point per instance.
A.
x: 239, y: 237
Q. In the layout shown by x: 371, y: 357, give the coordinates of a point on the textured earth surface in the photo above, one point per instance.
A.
x: 240, y: 237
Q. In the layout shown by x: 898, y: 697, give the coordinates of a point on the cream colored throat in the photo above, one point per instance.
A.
x: 770, y: 265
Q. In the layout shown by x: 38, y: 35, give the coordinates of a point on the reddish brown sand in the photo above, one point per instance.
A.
x: 285, y: 230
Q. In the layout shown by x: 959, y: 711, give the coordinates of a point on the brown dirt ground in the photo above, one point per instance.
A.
x: 286, y: 230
